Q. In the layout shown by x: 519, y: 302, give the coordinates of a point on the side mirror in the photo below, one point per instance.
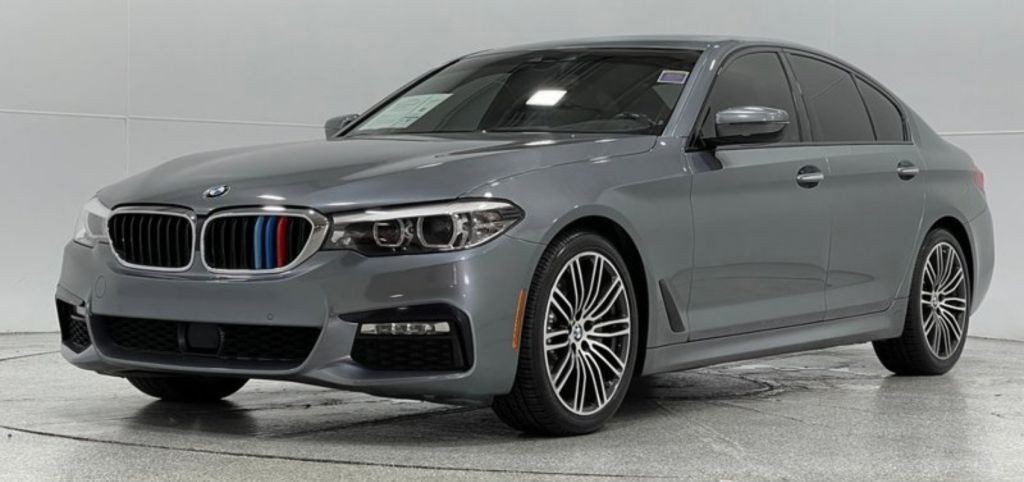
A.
x: 748, y: 125
x: 335, y: 125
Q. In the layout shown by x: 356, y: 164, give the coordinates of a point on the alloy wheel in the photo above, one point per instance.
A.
x: 943, y: 300
x: 587, y: 330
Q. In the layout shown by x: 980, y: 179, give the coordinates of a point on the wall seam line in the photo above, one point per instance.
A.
x: 1007, y: 132
x: 159, y: 118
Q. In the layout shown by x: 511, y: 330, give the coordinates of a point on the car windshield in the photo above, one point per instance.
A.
x: 591, y: 90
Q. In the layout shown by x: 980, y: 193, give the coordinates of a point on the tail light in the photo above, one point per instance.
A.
x: 979, y: 179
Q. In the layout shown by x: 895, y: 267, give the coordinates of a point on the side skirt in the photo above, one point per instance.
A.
x: 812, y: 336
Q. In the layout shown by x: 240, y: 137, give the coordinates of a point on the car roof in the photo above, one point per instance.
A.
x: 684, y: 42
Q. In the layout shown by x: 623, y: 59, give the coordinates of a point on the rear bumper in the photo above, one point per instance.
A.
x: 983, y: 242
x: 483, y: 283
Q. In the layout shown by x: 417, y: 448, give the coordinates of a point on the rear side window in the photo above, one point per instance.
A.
x: 885, y: 117
x: 835, y: 108
x: 756, y: 79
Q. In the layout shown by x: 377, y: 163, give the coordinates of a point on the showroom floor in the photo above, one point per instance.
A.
x: 821, y: 415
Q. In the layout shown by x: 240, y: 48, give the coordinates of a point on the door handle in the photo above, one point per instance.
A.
x: 906, y: 170
x: 809, y: 176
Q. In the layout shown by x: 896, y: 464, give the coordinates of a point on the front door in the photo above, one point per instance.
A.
x: 760, y: 215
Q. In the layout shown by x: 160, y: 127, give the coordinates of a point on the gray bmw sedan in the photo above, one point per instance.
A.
x: 534, y: 227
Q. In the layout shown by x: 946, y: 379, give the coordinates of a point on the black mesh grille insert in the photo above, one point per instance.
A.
x: 267, y: 342
x: 439, y: 353
x: 252, y: 242
x: 73, y: 331
x: 275, y: 345
x: 143, y: 335
x: 157, y: 240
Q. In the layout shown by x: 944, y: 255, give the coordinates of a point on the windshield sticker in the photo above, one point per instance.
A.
x: 673, y: 77
x: 403, y: 112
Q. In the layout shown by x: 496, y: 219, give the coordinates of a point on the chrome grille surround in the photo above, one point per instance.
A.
x: 319, y: 222
x: 158, y: 211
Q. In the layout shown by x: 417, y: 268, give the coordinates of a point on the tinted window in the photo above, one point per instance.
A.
x: 565, y: 90
x: 756, y: 79
x: 834, y: 106
x: 884, y: 115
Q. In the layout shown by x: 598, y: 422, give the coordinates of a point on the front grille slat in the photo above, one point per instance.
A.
x: 147, y: 231
x: 174, y: 241
x: 151, y: 239
x: 127, y: 237
x: 161, y: 241
x: 187, y: 241
x: 220, y: 230
x: 231, y: 242
x: 229, y: 229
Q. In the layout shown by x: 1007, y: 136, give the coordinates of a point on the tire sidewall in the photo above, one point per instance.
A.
x: 535, y: 321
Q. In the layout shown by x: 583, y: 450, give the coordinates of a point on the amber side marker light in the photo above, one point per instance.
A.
x: 517, y: 326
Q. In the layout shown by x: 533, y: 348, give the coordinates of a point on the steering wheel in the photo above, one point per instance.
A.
x: 636, y: 116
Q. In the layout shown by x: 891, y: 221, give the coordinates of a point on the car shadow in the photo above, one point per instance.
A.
x: 217, y: 417
x: 390, y: 423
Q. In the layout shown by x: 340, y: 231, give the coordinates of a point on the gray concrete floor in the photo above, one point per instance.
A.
x: 823, y: 415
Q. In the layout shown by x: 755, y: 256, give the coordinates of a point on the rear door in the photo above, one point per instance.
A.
x: 760, y: 237
x: 874, y: 196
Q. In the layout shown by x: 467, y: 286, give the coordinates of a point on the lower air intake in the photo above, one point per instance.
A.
x: 74, y: 333
x: 412, y: 353
x: 209, y: 344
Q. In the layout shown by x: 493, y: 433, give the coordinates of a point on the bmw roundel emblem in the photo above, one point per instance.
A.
x: 217, y: 191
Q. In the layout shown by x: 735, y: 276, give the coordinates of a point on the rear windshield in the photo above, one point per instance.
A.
x: 591, y: 90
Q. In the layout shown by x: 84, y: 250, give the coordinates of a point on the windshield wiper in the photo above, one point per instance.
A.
x: 523, y: 129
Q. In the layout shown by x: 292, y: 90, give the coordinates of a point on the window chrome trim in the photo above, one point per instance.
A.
x: 319, y: 222
x: 158, y: 210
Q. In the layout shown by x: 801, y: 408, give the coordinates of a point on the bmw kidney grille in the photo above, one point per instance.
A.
x: 255, y: 242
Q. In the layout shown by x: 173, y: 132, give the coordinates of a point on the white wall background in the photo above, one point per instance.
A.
x: 93, y: 90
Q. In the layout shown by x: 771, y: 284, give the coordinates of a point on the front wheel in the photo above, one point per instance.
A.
x: 188, y: 389
x: 579, y: 340
x: 938, y: 311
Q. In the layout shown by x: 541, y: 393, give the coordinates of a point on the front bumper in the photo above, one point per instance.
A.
x: 483, y: 283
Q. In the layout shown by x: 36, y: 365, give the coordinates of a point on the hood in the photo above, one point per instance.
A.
x: 359, y: 172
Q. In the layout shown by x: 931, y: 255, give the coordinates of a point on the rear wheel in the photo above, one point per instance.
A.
x: 579, y: 340
x: 938, y: 312
x: 188, y: 389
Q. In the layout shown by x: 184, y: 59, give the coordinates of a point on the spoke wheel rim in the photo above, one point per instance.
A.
x: 943, y: 300
x: 587, y: 329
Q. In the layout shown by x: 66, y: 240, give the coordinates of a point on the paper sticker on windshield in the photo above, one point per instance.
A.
x: 403, y: 112
x: 673, y: 77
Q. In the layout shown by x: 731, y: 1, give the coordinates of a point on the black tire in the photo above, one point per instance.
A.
x: 533, y: 406
x: 910, y: 354
x: 188, y: 389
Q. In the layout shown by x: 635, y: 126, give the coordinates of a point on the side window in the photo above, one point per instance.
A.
x: 884, y: 115
x: 756, y: 79
x: 834, y: 106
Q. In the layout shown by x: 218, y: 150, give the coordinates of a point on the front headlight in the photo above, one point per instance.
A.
x: 91, y: 227
x: 425, y: 228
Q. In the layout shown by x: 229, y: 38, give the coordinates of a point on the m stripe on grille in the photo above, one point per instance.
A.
x: 255, y: 242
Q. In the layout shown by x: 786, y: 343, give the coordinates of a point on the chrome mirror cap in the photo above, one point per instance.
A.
x: 748, y: 125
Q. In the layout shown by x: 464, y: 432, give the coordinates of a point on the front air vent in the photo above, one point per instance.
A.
x: 157, y: 239
x: 205, y: 344
x: 250, y: 242
x: 73, y: 330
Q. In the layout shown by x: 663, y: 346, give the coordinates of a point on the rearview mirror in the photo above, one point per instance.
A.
x: 748, y: 125
x: 335, y: 125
